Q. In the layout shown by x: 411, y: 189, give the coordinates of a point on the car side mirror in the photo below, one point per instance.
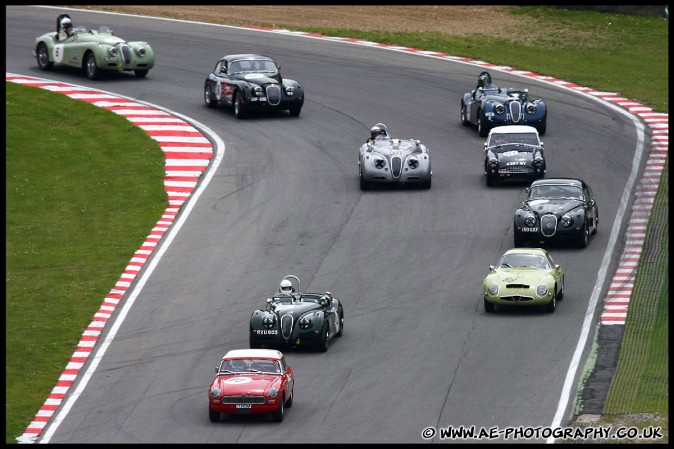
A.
x: 217, y: 369
x: 492, y: 267
x: 556, y: 266
x: 542, y: 144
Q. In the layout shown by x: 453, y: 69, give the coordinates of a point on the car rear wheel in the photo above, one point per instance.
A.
x: 238, y: 106
x: 464, y: 114
x: 208, y: 97
x: 213, y: 416
x: 550, y: 307
x: 140, y: 73
x: 278, y: 414
x: 90, y: 67
x: 43, y: 57
x: 488, y: 306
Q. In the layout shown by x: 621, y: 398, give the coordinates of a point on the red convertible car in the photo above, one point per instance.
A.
x: 251, y: 381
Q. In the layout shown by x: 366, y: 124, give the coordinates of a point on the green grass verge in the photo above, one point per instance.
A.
x: 84, y: 188
x: 83, y: 193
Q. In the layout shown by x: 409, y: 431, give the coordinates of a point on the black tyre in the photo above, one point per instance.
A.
x: 295, y: 111
x: 552, y: 305
x: 542, y: 127
x: 213, y: 416
x: 323, y: 342
x: 90, y: 68
x: 289, y: 402
x: 364, y: 185
x: 43, y: 57
x: 341, y: 324
x: 482, y: 128
x: 491, y: 181
x: 518, y: 240
x: 209, y: 99
x: 582, y: 240
x: 254, y: 344
x: 140, y: 73
x: 426, y: 185
x: 277, y: 415
x: 464, y: 114
x: 488, y: 306
x: 238, y: 106
x: 560, y: 294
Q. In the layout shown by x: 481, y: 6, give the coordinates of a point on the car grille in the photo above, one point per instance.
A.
x: 517, y: 298
x: 286, y: 326
x: 516, y: 170
x: 125, y: 50
x: 396, y: 166
x: 273, y: 94
x: 243, y: 400
x: 548, y: 225
x: 515, y: 111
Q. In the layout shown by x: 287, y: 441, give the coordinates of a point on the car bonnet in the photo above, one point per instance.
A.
x: 257, y: 384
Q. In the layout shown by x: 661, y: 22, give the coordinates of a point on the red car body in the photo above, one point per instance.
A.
x: 251, y: 381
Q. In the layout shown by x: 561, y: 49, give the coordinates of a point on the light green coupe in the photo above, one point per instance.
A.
x: 93, y: 51
x: 524, y: 277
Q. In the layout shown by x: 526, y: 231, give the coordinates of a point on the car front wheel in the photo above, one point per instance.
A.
x: 43, y: 57
x: 582, y: 240
x: 213, y: 416
x: 550, y: 307
x: 278, y: 414
x: 238, y: 106
x: 323, y: 343
x: 140, y: 73
x: 91, y: 68
x: 488, y: 306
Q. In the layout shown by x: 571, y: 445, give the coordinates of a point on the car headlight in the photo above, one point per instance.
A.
x: 379, y: 162
x: 499, y: 108
x: 272, y: 392
x: 566, y: 220
x: 413, y: 162
x: 529, y: 220
x: 257, y: 91
x: 493, y: 289
x: 493, y: 162
x: 290, y: 91
x: 542, y: 290
x: 538, y: 162
x: 268, y: 321
x: 112, y: 51
x: 141, y: 51
x: 215, y: 392
x: 304, y: 322
x: 530, y: 108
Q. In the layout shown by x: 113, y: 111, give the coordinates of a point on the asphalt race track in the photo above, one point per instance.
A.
x: 418, y: 349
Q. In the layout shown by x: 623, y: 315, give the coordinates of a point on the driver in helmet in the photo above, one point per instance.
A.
x: 377, y: 132
x: 286, y: 287
x: 66, y: 30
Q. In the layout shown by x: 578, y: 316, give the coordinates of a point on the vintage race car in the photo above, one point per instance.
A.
x: 93, y: 51
x: 251, y: 381
x: 248, y: 82
x: 489, y: 105
x: 524, y: 277
x: 297, y: 319
x: 559, y: 208
x: 394, y: 161
x: 513, y: 153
